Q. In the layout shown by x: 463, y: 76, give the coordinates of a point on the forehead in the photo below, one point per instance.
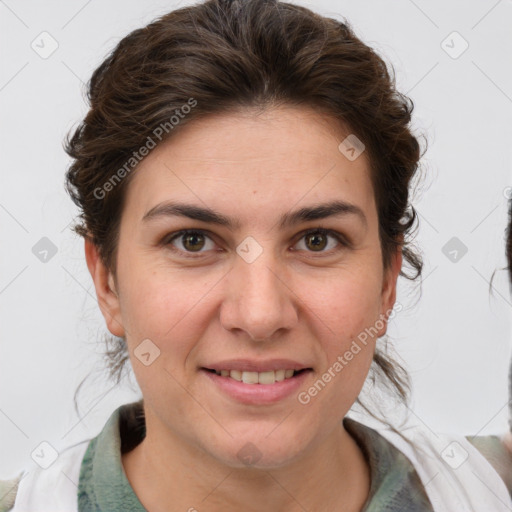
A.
x: 253, y: 161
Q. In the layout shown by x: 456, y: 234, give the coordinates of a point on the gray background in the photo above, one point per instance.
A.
x: 455, y: 339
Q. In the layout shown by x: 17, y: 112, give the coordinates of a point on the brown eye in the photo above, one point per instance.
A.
x: 193, y: 241
x: 188, y: 242
x: 316, y: 241
x: 322, y: 241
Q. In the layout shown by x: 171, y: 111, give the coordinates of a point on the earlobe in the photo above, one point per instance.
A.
x: 106, y: 292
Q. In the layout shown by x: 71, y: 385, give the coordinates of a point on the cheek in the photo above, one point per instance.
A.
x: 157, y: 303
x: 165, y: 309
x: 347, y: 315
x: 346, y: 305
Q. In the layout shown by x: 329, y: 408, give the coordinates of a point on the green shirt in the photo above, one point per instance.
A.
x: 103, y: 485
x: 395, y: 485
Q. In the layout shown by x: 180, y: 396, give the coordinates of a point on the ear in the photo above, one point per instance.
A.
x: 106, y: 293
x: 388, y: 295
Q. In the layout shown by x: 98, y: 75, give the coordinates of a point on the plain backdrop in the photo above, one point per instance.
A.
x: 453, y: 334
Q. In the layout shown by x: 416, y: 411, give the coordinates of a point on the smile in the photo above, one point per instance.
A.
x: 257, y: 388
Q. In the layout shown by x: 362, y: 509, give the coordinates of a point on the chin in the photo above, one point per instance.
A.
x: 257, y: 452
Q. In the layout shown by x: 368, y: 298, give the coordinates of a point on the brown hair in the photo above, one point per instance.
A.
x: 221, y: 56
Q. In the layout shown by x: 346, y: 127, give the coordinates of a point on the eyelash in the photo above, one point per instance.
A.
x: 167, y: 241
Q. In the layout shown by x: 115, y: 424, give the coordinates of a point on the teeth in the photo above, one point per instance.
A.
x: 235, y: 374
x: 250, y: 377
x: 269, y: 377
x: 280, y: 375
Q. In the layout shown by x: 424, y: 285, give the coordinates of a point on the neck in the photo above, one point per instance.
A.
x: 167, y: 473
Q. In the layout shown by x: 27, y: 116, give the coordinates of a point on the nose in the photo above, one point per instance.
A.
x: 259, y: 300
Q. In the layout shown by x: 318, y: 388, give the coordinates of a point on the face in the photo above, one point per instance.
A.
x: 253, y: 285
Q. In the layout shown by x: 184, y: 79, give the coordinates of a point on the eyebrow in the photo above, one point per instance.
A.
x: 205, y: 214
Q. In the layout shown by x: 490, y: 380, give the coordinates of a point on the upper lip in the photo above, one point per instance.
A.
x: 248, y: 365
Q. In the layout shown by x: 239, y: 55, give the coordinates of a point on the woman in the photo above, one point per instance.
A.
x: 243, y: 175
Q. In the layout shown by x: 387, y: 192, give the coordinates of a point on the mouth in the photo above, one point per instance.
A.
x: 263, y: 378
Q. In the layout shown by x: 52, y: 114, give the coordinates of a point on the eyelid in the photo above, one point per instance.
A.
x: 340, y: 238
x: 168, y: 239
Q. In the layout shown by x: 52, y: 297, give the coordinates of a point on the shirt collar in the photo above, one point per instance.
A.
x: 103, y: 484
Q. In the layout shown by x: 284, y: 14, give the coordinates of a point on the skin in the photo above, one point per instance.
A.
x: 291, y: 302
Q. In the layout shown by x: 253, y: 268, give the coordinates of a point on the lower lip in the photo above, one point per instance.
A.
x: 256, y: 394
